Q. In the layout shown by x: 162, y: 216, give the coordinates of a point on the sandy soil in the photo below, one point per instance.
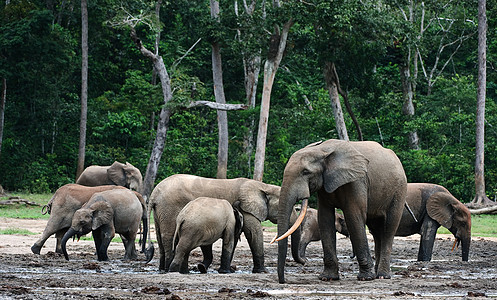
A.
x: 24, y: 275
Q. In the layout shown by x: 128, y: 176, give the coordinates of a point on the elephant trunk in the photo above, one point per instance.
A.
x: 465, y: 248
x: 70, y: 233
x: 296, y: 239
x: 285, y: 208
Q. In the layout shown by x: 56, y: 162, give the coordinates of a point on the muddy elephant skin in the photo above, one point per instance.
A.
x: 61, y: 207
x: 105, y: 214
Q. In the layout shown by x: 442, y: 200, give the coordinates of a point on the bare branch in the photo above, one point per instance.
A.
x: 218, y: 106
x: 176, y: 63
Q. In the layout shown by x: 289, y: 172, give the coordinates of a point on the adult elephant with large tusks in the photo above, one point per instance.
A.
x: 257, y: 202
x: 363, y: 179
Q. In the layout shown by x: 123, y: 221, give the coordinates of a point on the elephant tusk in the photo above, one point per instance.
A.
x: 456, y: 244
x: 296, y: 225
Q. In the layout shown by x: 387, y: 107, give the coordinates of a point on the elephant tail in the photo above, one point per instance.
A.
x: 176, y: 235
x: 47, y: 208
x: 143, y: 241
x: 149, y: 251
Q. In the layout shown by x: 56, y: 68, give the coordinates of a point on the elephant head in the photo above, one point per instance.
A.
x: 126, y: 175
x: 87, y: 219
x: 262, y: 201
x: 454, y: 216
x: 327, y: 165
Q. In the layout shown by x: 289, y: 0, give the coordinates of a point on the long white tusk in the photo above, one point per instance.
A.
x: 296, y: 225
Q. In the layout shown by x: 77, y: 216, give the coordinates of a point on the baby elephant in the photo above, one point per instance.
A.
x: 105, y: 214
x: 201, y: 223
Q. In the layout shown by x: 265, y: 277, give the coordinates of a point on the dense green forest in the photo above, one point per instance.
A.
x: 370, y: 43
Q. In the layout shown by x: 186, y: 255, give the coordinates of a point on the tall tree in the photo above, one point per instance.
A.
x: 331, y: 79
x: 276, y: 50
x: 3, y: 99
x: 222, y: 117
x: 84, y: 87
x: 480, y: 197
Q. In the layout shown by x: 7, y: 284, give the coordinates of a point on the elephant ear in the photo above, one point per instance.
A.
x: 103, y: 214
x: 343, y: 164
x: 116, y: 173
x: 254, y: 199
x: 440, y: 208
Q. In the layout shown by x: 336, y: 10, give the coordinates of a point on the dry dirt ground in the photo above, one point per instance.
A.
x: 24, y: 275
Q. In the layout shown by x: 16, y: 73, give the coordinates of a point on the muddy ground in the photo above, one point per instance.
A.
x: 24, y: 275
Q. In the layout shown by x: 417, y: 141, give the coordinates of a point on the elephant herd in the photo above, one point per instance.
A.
x: 364, y: 180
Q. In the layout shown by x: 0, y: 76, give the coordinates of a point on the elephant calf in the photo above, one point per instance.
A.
x: 118, y: 173
x: 432, y: 205
x: 200, y: 223
x: 310, y: 229
x: 107, y: 213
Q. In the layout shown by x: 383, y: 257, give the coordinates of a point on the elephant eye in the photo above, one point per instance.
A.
x: 306, y: 172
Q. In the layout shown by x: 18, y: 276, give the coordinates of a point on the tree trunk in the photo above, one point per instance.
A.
x: 480, y: 197
x: 252, y: 68
x: 331, y: 85
x: 3, y: 99
x: 163, y: 125
x: 408, y: 106
x: 222, y: 117
x: 275, y: 54
x: 84, y: 88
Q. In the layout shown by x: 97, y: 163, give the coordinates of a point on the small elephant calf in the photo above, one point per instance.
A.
x: 107, y: 213
x: 201, y: 223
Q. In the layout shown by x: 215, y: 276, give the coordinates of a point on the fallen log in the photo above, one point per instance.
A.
x: 17, y: 200
x: 484, y: 210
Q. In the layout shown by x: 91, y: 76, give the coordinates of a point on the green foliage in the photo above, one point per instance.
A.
x: 18, y: 231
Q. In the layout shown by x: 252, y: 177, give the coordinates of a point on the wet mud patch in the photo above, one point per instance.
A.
x: 49, y: 276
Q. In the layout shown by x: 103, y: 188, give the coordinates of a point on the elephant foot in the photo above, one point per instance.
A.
x: 224, y: 271
x: 327, y: 276
x: 202, y: 269
x: 36, y: 249
x: 383, y: 276
x: 365, y: 276
x: 260, y: 270
x: 103, y: 258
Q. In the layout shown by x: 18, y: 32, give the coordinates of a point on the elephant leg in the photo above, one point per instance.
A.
x: 106, y: 236
x: 252, y: 229
x: 181, y: 255
x: 58, y: 236
x: 129, y: 246
x: 53, y: 226
x: 354, y: 209
x: 227, y: 252
x: 428, y: 233
x: 207, y: 253
x: 302, y: 248
x: 98, y: 240
x: 326, y: 220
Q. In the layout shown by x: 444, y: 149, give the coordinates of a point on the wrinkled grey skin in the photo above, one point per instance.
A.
x: 310, y: 229
x: 66, y: 200
x: 105, y: 214
x: 433, y: 205
x: 257, y: 202
x: 366, y: 181
x: 117, y: 174
x: 201, y: 223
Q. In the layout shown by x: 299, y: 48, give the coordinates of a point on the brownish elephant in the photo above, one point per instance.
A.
x: 434, y: 206
x: 66, y: 200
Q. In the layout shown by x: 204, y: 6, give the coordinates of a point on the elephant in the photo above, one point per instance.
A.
x: 201, y: 223
x: 116, y: 174
x: 434, y: 206
x: 106, y: 213
x: 366, y: 181
x: 61, y: 207
x: 258, y: 201
x: 310, y: 229
x: 431, y: 206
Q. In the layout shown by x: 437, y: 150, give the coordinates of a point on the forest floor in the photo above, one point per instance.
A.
x: 24, y: 275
